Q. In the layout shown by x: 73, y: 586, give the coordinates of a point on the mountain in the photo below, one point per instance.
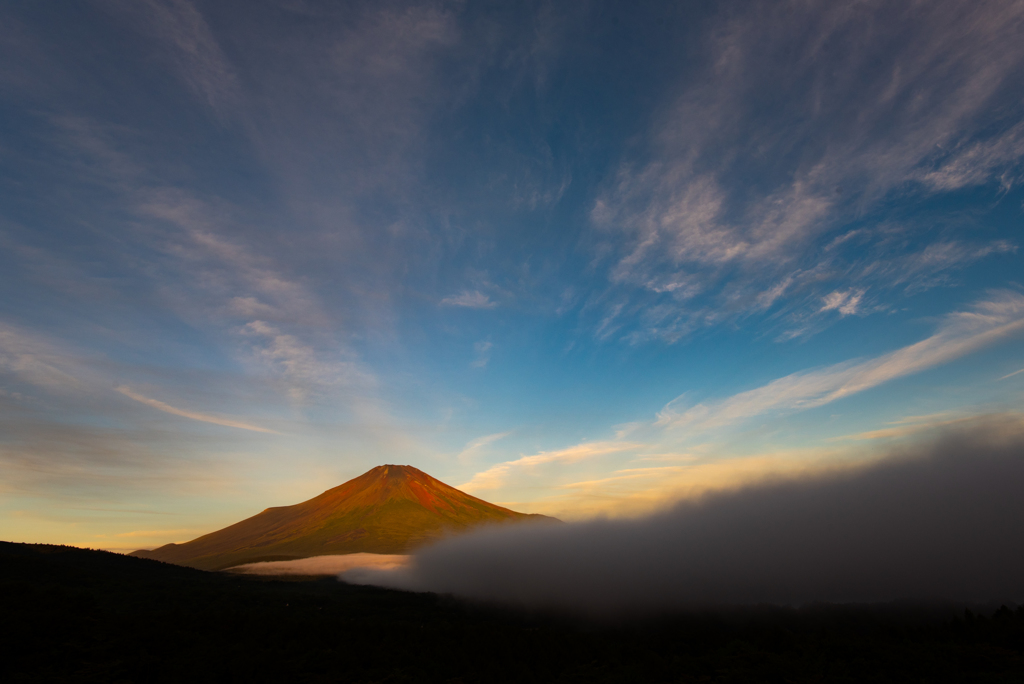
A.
x: 390, y: 509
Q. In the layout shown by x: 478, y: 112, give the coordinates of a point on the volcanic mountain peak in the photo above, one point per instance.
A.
x: 391, y: 483
x: 389, y: 509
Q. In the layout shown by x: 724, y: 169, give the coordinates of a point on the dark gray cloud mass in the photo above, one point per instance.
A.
x: 943, y: 521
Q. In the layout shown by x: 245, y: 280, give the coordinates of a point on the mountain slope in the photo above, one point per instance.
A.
x: 390, y: 509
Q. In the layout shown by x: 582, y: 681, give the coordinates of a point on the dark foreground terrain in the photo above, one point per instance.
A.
x: 73, y: 615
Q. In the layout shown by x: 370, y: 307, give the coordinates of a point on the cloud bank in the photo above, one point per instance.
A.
x: 940, y: 522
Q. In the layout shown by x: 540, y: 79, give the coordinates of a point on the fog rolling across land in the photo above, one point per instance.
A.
x: 941, y: 521
x: 323, y: 565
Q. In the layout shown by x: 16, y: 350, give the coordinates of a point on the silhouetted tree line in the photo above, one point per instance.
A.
x: 1005, y: 627
x: 73, y: 615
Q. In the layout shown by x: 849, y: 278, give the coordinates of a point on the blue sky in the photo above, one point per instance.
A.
x: 580, y: 259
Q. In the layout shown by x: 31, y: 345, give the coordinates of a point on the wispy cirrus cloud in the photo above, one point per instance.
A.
x: 961, y: 333
x: 1010, y: 375
x: 192, y: 415
x: 495, y: 476
x: 304, y: 372
x: 637, y: 491
x: 483, y: 354
x: 744, y: 188
x: 45, y: 457
x: 370, y: 84
x: 476, y: 446
x: 846, y: 303
x: 913, y: 425
x: 224, y: 281
x: 470, y: 300
x: 35, y: 360
x: 190, y: 45
x: 225, y: 271
x: 62, y: 429
x: 975, y: 164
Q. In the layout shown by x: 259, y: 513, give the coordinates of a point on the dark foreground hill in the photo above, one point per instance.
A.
x: 390, y: 509
x: 73, y: 615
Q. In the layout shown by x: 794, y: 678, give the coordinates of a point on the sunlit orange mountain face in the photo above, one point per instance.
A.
x: 390, y: 509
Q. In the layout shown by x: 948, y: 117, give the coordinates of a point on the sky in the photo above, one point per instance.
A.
x: 581, y: 259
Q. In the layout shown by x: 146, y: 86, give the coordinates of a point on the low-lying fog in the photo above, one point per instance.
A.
x: 324, y: 565
x: 942, y: 521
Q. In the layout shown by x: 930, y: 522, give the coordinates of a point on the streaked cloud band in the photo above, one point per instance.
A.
x: 961, y: 333
x: 192, y: 415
